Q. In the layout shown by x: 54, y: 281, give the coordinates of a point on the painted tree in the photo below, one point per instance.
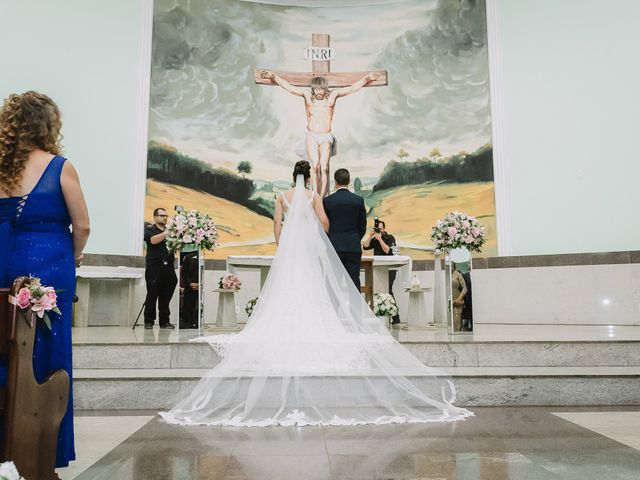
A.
x: 402, y: 154
x: 357, y: 184
x: 435, y: 155
x: 244, y: 167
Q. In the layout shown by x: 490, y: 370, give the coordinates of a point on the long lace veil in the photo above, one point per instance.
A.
x: 313, y: 353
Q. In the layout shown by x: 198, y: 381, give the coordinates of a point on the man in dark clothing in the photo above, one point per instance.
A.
x: 159, y: 274
x: 189, y: 283
x: 383, y: 243
x: 347, y: 224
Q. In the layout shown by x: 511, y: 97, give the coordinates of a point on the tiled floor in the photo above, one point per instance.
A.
x: 498, y: 443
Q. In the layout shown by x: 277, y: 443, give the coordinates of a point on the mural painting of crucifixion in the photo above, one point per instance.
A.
x: 230, y: 78
x: 320, y: 90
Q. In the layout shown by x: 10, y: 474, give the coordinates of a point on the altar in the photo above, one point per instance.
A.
x: 382, y: 264
x: 106, y: 290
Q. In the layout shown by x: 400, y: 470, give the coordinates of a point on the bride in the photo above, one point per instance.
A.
x: 313, y: 353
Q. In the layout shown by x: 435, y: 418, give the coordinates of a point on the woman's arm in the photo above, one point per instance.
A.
x: 77, y: 207
x: 320, y: 213
x: 277, y: 219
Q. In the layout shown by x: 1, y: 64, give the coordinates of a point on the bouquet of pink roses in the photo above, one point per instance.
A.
x: 191, y: 228
x: 458, y: 230
x: 229, y: 282
x: 39, y: 299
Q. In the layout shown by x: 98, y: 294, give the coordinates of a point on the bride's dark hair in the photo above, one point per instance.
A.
x: 302, y: 167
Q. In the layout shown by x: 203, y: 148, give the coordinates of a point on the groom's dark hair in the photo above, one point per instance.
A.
x: 342, y: 176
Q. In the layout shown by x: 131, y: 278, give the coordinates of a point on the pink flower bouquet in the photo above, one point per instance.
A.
x: 229, y: 282
x: 191, y: 228
x: 39, y: 299
x: 456, y: 230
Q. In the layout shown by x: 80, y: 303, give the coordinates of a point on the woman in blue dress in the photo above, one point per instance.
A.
x: 40, y: 199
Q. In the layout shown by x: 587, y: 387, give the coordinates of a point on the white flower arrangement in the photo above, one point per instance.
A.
x: 384, y: 305
x: 191, y: 228
x: 8, y: 471
x: 458, y: 230
x: 250, y: 306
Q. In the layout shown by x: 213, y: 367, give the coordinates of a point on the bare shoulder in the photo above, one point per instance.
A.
x: 69, y: 172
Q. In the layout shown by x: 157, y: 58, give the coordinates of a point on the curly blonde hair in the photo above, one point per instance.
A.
x: 27, y: 122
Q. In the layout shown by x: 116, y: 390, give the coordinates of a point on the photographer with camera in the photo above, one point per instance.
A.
x: 379, y: 240
x: 159, y: 273
x: 382, y: 243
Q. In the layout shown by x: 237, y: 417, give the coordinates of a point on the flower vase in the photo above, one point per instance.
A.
x: 384, y: 319
x: 189, y: 247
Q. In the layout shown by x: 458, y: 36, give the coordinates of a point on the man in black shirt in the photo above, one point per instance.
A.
x: 159, y: 274
x: 382, y: 243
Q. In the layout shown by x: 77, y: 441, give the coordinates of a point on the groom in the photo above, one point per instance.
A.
x: 347, y: 224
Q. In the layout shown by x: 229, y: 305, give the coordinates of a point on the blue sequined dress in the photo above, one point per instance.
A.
x: 35, y: 239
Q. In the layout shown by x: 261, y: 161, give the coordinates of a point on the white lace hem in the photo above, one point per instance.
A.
x: 298, y: 419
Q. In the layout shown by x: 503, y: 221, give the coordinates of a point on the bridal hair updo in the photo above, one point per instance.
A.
x: 303, y: 168
x: 27, y: 122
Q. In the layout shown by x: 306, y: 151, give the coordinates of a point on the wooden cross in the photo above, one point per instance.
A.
x: 322, y: 68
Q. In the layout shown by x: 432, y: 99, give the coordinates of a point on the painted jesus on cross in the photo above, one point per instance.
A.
x: 319, y: 103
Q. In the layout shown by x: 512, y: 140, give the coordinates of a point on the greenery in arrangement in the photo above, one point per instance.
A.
x: 248, y: 308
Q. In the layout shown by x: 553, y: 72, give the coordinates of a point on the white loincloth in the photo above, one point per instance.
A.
x: 318, y: 139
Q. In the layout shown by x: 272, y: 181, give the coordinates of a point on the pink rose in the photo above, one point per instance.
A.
x: 452, y: 231
x: 475, y: 231
x: 24, y: 298
x: 466, y: 224
x: 469, y: 239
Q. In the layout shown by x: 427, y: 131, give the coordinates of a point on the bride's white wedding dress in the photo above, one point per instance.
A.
x: 313, y: 353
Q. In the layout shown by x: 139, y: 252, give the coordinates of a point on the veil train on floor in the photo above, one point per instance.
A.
x: 312, y: 352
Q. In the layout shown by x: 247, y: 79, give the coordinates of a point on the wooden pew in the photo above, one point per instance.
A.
x: 31, y: 412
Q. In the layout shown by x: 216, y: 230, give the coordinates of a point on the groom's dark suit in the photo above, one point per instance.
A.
x: 347, y: 225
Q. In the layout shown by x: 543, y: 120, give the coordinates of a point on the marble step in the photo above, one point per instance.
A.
x: 160, y: 388
x: 186, y: 355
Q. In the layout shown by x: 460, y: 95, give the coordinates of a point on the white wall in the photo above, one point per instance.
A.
x: 86, y: 55
x: 565, y: 95
x: 567, y: 117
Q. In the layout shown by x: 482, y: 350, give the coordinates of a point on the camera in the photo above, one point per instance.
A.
x: 178, y: 208
x: 376, y: 225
